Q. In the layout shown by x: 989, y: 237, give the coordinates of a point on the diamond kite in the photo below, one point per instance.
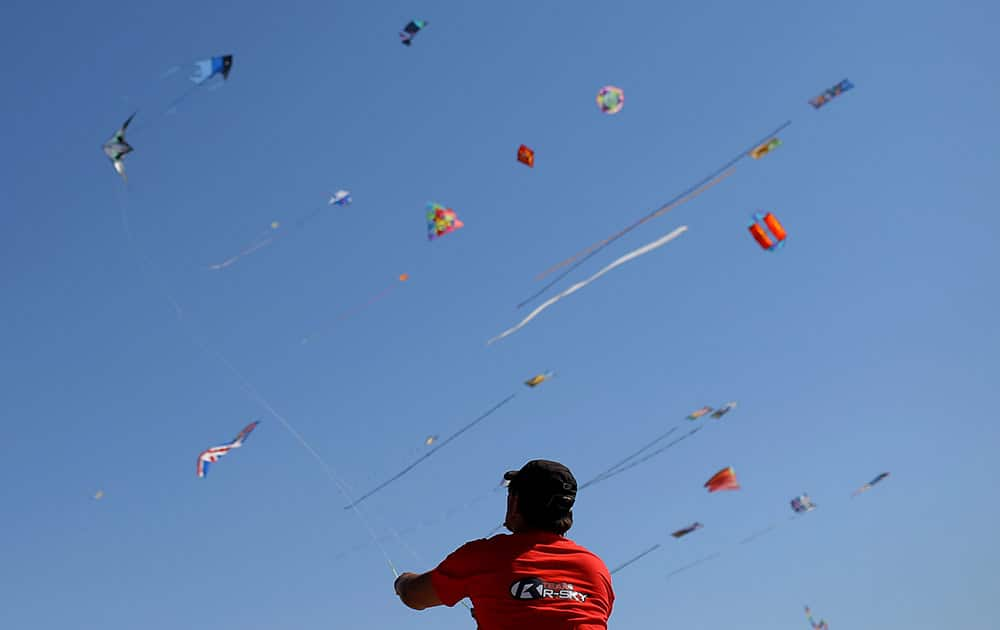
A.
x: 212, y: 455
x: 610, y: 99
x: 526, y: 156
x: 759, y: 235
x: 725, y: 479
x: 831, y: 94
x: 441, y: 221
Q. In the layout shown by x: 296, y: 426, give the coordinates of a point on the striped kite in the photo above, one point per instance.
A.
x: 831, y: 94
x: 694, y: 415
x: 765, y: 148
x: 761, y: 236
x: 212, y: 455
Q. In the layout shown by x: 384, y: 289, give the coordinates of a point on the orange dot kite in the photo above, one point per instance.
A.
x: 725, y: 479
x: 526, y: 156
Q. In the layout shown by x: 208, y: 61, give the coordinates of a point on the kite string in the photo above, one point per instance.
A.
x: 663, y: 210
x: 433, y: 450
x: 248, y: 387
x: 701, y: 183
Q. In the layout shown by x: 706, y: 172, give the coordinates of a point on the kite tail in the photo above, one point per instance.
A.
x: 716, y: 173
x: 431, y: 452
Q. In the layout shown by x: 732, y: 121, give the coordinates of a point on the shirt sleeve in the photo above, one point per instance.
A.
x: 451, y: 578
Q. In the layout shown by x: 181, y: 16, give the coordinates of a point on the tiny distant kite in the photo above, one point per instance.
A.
x: 99, y: 495
x: 116, y: 149
x: 761, y: 236
x: 725, y: 479
x: 726, y: 408
x: 208, y: 68
x: 868, y: 486
x: 610, y: 99
x: 765, y: 148
x: 441, y: 221
x: 341, y: 198
x: 526, y: 156
x: 821, y: 625
x: 831, y: 94
x: 802, y: 504
x: 538, y: 379
x: 694, y: 415
x: 430, y: 440
x: 687, y: 530
x: 410, y: 30
x: 212, y: 455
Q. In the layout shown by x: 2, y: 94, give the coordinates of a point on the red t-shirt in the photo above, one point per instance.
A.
x: 528, y: 581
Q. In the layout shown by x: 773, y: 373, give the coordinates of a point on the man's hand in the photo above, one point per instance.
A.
x: 416, y: 591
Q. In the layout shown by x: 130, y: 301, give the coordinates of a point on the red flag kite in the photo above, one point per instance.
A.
x: 725, y: 479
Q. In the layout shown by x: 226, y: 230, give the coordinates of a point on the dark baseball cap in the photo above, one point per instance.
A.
x: 543, y: 481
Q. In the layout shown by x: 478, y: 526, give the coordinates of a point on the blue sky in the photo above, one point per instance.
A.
x: 867, y: 344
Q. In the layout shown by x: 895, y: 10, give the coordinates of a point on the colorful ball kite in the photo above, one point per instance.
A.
x: 611, y: 99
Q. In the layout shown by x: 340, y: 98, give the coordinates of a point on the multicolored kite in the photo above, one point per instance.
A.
x: 441, y: 221
x: 759, y: 235
x: 724, y: 409
x: 802, y: 504
x: 212, y: 455
x: 763, y: 149
x: 687, y: 530
x: 831, y: 94
x: 694, y: 415
x: 526, y: 156
x: 868, y: 486
x: 725, y: 479
x: 822, y: 625
x: 610, y: 99
x: 410, y: 30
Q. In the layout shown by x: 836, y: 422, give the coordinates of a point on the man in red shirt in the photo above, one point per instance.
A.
x: 532, y: 579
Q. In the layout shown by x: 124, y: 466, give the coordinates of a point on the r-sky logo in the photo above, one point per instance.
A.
x: 536, y: 588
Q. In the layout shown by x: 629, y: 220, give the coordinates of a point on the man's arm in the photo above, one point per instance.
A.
x: 417, y: 591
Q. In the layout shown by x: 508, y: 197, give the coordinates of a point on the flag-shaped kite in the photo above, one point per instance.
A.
x: 724, y: 409
x: 538, y: 379
x: 694, y: 415
x: 441, y: 221
x: 212, y: 455
x: 831, y: 94
x: 762, y: 150
x: 868, y: 486
x: 725, y: 479
x: 687, y: 530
